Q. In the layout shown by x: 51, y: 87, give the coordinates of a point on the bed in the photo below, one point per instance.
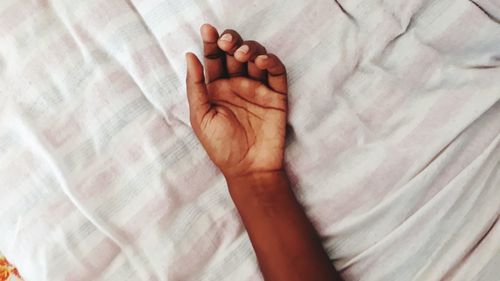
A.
x: 393, y: 144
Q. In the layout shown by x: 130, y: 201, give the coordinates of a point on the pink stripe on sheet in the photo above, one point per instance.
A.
x: 146, y: 60
x: 163, y: 206
x: 95, y: 262
x: 99, y: 183
x: 223, y: 231
x: 10, y: 17
x: 62, y: 131
x: 378, y: 184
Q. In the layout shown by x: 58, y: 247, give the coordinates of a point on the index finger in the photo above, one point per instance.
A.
x: 213, y: 56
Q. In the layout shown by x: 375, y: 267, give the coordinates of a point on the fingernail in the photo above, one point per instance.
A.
x: 243, y: 49
x: 263, y: 57
x: 226, y: 37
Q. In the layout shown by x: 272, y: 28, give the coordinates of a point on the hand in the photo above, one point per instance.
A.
x: 239, y: 111
x: 239, y: 116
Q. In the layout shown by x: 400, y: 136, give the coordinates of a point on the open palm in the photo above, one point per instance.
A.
x: 240, y: 114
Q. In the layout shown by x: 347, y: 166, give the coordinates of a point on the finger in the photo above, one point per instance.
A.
x: 276, y: 72
x: 229, y: 41
x: 213, y: 56
x: 249, y: 50
x: 255, y: 92
x: 196, y: 90
x: 247, y: 53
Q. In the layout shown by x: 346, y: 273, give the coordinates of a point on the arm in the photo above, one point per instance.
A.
x: 238, y: 111
x: 285, y: 242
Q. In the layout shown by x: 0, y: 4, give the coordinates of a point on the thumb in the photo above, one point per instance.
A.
x: 196, y: 90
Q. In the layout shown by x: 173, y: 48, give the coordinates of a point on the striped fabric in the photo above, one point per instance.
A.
x: 394, y: 146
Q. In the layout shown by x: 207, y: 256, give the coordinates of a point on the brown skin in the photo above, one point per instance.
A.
x: 239, y: 115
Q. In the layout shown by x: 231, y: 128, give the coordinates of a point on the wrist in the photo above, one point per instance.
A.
x: 262, y: 178
x: 263, y: 186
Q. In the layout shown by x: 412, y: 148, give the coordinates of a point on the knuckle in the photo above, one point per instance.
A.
x: 273, y: 58
x: 276, y: 64
x: 256, y: 46
x: 233, y: 33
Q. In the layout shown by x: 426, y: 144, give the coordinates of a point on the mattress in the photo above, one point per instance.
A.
x: 393, y: 143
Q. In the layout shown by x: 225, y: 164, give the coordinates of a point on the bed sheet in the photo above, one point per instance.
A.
x: 393, y: 145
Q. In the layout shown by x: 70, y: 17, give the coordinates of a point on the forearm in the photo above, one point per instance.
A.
x: 285, y: 242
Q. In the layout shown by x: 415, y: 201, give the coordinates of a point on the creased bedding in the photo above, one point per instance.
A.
x: 394, y: 146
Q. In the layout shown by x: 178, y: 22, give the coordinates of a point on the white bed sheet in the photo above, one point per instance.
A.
x: 394, y: 148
